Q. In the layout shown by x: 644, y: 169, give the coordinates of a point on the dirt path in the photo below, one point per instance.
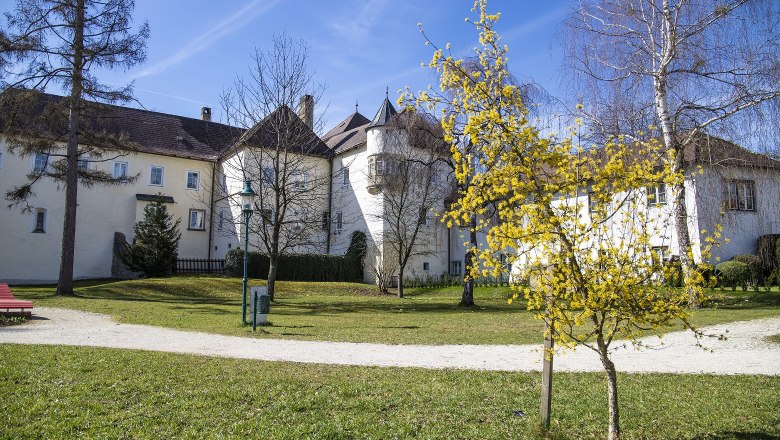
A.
x: 743, y: 352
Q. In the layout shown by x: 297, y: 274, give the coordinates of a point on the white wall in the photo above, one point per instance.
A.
x: 741, y: 228
x: 27, y: 257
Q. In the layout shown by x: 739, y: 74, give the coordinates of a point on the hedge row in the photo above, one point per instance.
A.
x: 303, y: 267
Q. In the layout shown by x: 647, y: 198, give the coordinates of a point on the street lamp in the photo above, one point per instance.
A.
x: 247, y: 203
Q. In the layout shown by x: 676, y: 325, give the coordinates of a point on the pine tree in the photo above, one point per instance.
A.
x: 156, y: 243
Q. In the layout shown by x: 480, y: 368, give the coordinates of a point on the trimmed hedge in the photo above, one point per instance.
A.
x: 303, y: 267
x: 732, y: 273
x: 754, y: 265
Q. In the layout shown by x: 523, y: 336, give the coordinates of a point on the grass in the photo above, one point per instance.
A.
x: 344, y: 311
x: 773, y: 338
x: 68, y: 392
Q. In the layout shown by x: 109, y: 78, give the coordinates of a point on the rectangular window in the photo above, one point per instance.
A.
x: 660, y: 254
x: 40, y: 221
x: 456, y: 268
x: 269, y: 176
x: 223, y: 182
x: 741, y: 195
x: 120, y: 170
x: 300, y: 215
x: 221, y: 220
x: 193, y: 180
x: 324, y: 220
x: 83, y: 164
x: 156, y: 175
x: 592, y: 202
x: 299, y: 181
x: 197, y: 219
x: 339, y: 222
x: 40, y: 162
x: 267, y: 216
x: 380, y: 166
x: 345, y: 176
x: 656, y: 195
x: 426, y: 266
x: 424, y: 216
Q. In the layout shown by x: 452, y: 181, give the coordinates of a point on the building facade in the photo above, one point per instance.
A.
x: 344, y: 181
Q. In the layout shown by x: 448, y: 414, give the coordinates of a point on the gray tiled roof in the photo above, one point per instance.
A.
x: 139, y: 130
x: 152, y: 132
x: 348, y: 134
x: 285, y: 123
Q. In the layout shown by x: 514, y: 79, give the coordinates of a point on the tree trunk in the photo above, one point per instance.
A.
x: 65, y: 281
x: 680, y: 210
x: 273, y: 265
x: 401, y: 282
x: 467, y: 298
x: 614, y: 415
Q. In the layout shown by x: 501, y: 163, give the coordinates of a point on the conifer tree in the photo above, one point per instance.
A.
x: 156, y: 243
x: 49, y: 43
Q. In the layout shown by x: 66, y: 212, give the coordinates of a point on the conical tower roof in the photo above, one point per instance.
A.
x: 386, y: 111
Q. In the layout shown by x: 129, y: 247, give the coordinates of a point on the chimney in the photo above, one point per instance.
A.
x: 205, y: 114
x: 306, y: 110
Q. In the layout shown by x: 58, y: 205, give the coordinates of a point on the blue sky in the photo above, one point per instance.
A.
x: 356, y: 48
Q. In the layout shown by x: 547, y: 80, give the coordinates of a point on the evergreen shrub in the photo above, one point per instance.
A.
x: 732, y: 273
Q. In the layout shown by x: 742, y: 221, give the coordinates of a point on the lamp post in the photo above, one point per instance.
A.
x: 247, y: 202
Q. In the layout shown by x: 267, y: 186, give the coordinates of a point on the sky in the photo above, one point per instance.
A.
x: 357, y: 48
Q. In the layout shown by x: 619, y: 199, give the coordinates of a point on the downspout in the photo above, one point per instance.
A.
x: 449, y: 251
x: 330, y: 202
x: 211, y: 207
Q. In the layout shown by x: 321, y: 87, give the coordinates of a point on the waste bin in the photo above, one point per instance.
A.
x: 260, y: 305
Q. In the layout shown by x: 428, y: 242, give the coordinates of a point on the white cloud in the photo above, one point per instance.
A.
x: 358, y: 26
x: 239, y: 19
x: 534, y: 25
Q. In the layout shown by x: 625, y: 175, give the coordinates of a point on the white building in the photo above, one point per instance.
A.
x: 197, y: 165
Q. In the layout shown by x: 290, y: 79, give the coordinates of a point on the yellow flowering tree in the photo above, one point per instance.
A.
x: 579, y: 222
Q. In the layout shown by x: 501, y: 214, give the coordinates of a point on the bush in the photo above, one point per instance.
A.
x: 732, y: 273
x: 754, y: 265
x: 295, y: 267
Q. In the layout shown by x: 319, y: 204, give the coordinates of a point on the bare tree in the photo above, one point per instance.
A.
x: 686, y: 66
x: 410, y: 174
x: 61, y: 42
x: 279, y: 152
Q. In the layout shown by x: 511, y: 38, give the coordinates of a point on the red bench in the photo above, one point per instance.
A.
x: 12, y: 306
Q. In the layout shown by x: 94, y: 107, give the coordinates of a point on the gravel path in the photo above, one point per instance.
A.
x: 743, y: 352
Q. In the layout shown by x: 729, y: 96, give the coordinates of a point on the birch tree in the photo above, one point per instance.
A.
x: 49, y: 43
x: 684, y: 66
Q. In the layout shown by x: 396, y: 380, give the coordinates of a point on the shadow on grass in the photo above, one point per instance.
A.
x: 736, y: 435
x: 319, y: 308
x: 325, y: 299
x: 744, y: 300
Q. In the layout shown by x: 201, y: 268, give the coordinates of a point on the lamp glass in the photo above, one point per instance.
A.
x: 247, y: 197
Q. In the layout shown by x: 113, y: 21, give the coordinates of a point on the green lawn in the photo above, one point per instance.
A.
x: 69, y: 392
x: 343, y: 311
